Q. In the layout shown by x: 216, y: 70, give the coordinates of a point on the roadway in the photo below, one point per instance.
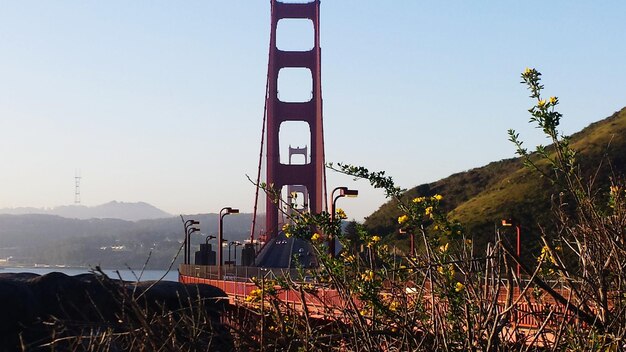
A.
x: 283, y: 252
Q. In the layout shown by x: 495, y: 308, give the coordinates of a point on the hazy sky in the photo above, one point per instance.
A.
x: 162, y: 101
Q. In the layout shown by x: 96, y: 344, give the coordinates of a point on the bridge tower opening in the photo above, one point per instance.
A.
x: 297, y: 195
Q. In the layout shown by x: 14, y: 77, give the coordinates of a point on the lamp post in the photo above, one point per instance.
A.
x: 220, y: 237
x: 189, y: 229
x: 206, y: 254
x: 189, y: 232
x: 237, y: 244
x: 343, y: 192
x: 411, y: 239
x: 509, y: 223
x: 230, y: 244
x: 223, y: 245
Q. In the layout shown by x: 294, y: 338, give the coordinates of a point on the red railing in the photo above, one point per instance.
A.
x: 238, y: 282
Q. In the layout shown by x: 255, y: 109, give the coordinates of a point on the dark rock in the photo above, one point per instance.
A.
x: 174, y: 295
x: 33, y: 308
x: 17, y: 304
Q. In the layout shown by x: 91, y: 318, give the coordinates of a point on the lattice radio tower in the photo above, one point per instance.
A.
x: 77, y: 187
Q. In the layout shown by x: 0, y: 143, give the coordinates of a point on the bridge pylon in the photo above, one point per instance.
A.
x: 309, y: 175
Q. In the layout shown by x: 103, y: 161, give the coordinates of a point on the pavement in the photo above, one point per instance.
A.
x: 283, y: 252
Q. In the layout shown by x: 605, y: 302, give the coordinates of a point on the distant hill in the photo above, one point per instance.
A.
x: 481, y: 197
x: 111, y: 210
x: 52, y: 239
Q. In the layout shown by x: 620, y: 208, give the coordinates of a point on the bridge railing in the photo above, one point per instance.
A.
x: 239, y: 281
x: 245, y: 273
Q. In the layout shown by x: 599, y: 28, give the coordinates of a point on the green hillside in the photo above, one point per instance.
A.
x: 480, y: 198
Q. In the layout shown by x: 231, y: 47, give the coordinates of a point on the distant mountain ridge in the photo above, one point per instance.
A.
x: 130, y: 211
x: 54, y: 240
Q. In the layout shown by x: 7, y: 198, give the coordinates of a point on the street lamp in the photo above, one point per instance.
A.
x: 237, y: 244
x: 206, y: 252
x: 411, y: 239
x: 230, y: 244
x: 189, y: 229
x: 220, y: 237
x: 509, y: 223
x: 343, y: 192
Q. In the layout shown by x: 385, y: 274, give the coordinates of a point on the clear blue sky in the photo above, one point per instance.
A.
x: 161, y: 101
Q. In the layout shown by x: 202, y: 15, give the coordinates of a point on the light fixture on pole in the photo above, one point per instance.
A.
x: 190, y: 230
x: 187, y: 225
x: 220, y: 237
x: 411, y: 240
x: 237, y: 244
x: 343, y: 192
x: 230, y: 244
x: 509, y: 223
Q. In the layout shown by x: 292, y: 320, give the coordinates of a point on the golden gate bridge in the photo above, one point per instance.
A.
x: 283, y: 177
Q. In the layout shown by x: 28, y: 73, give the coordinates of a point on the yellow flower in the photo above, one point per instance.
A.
x: 428, y: 210
x: 541, y: 103
x: 286, y: 230
x: 527, y: 71
x: 316, y: 236
x: 418, y: 199
x: 347, y: 257
x: 443, y: 248
x: 546, y: 256
x: 614, y: 190
x: 553, y: 100
x: 254, y: 295
x: 437, y: 197
x: 340, y: 214
x: 459, y: 287
x: 402, y: 219
x: 441, y: 270
x: 368, y: 275
x: 373, y: 241
x: 393, y: 306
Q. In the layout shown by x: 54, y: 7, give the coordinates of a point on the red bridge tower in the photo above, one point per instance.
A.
x: 310, y: 174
